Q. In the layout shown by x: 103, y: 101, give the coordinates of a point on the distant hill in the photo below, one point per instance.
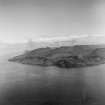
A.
x: 65, y: 56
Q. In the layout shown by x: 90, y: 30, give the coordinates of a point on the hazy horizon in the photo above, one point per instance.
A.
x: 96, y: 38
x: 46, y: 19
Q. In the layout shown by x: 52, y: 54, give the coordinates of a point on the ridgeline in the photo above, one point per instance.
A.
x: 64, y: 57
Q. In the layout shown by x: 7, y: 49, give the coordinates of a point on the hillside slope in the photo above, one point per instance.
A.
x: 67, y: 57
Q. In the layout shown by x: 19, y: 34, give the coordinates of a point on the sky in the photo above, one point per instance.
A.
x: 50, y: 19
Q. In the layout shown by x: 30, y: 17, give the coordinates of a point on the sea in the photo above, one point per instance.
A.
x: 35, y: 85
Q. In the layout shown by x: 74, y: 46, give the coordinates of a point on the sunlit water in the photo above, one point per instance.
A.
x: 32, y: 85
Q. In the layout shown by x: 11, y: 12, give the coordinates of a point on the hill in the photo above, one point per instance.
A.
x: 65, y: 56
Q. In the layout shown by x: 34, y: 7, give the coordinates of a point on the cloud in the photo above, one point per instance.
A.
x: 63, y: 38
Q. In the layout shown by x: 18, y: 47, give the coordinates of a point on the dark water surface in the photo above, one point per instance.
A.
x: 33, y: 85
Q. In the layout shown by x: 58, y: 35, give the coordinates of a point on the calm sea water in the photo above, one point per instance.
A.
x: 32, y: 85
